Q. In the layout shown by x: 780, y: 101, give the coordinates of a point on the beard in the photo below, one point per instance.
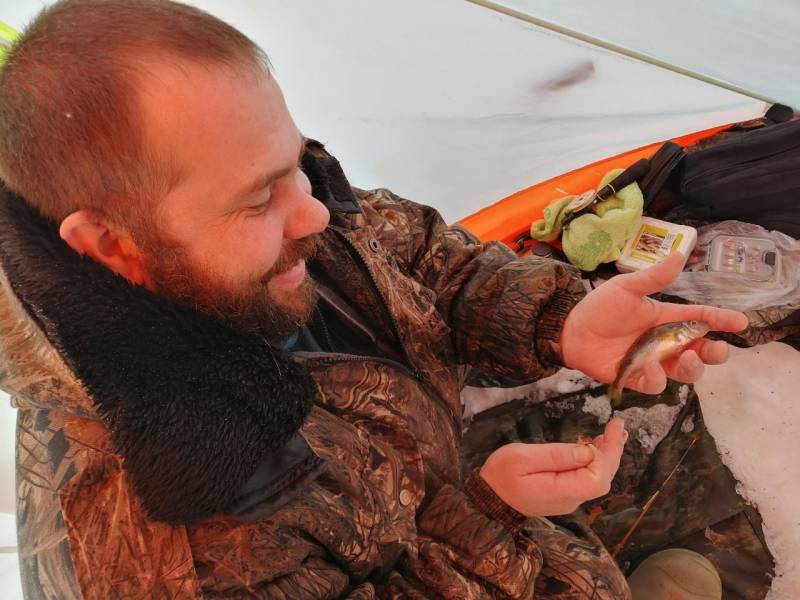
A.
x: 246, y: 306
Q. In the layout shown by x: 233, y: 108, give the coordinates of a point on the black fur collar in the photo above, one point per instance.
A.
x: 193, y: 406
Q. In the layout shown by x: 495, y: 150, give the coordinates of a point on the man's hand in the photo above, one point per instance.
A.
x: 554, y: 479
x: 602, y: 327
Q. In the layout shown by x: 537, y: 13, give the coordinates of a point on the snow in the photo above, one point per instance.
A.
x: 649, y: 426
x: 599, y: 406
x: 688, y: 424
x: 751, y: 407
x: 646, y: 426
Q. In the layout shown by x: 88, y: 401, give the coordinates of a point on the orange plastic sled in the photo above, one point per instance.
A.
x: 510, y: 217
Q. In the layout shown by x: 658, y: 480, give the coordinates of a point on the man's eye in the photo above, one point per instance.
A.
x: 257, y: 209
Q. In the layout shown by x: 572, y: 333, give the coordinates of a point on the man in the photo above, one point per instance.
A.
x: 239, y: 377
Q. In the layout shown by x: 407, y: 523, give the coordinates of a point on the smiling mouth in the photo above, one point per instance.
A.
x: 291, y: 277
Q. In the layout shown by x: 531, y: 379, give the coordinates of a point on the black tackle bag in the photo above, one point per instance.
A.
x: 750, y: 172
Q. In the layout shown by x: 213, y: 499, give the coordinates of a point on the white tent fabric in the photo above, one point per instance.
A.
x: 741, y: 42
x: 457, y: 106
x: 453, y: 104
x: 447, y: 102
x: 9, y: 570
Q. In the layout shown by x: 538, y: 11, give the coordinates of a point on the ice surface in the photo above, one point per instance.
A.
x: 751, y: 406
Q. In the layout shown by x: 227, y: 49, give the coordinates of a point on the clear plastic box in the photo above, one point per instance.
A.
x: 753, y: 257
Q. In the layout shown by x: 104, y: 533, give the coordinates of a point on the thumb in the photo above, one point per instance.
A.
x: 557, y: 457
x: 653, y: 279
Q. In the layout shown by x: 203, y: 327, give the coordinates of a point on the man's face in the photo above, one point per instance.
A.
x: 233, y: 237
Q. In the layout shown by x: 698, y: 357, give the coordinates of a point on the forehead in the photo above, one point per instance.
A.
x: 194, y: 115
x: 218, y: 128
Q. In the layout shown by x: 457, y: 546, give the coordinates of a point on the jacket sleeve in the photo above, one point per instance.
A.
x: 470, y: 545
x: 506, y: 313
x: 116, y: 551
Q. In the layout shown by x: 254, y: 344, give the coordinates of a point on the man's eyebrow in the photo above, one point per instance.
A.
x: 264, y: 181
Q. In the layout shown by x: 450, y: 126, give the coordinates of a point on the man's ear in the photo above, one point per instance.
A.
x: 88, y: 233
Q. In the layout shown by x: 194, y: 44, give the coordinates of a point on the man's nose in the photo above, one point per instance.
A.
x: 308, y: 216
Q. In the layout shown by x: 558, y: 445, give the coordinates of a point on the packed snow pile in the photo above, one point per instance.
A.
x: 647, y: 426
x: 599, y: 406
x: 751, y: 406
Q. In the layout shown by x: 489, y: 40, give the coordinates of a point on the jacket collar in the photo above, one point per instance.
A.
x: 193, y: 407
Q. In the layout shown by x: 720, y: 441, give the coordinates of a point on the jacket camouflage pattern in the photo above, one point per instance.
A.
x: 375, y: 504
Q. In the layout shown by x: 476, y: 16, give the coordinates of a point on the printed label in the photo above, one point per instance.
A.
x: 654, y: 243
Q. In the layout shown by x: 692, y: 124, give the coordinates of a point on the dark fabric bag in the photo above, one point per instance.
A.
x: 752, y: 177
x: 750, y: 172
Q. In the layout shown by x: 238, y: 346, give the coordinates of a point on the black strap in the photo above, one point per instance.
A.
x: 662, y: 165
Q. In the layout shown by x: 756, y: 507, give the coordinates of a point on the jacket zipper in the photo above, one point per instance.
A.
x: 384, y: 304
x: 324, y: 326
x: 413, y: 372
x: 331, y: 358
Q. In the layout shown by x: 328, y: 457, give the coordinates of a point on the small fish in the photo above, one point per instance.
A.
x: 658, y: 343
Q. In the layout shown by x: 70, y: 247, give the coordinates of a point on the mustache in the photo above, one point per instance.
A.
x: 294, y: 250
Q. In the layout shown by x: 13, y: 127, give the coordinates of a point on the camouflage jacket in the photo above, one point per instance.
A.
x: 162, y: 455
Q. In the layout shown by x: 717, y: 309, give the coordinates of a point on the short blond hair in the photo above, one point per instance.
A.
x: 71, y: 131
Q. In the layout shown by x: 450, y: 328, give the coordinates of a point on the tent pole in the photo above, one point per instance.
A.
x: 619, y: 49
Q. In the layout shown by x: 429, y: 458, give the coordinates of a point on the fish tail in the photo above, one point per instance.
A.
x: 615, y: 394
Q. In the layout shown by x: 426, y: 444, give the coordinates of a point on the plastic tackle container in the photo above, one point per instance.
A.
x: 653, y: 241
x: 756, y: 258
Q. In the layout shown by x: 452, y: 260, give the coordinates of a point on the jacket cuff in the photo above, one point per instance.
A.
x: 550, y: 326
x: 484, y: 498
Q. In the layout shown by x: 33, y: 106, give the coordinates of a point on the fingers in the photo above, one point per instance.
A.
x: 719, y: 319
x: 537, y: 458
x: 651, y: 380
x: 610, y: 446
x: 613, y: 439
x: 689, y: 366
x: 614, y: 436
x: 654, y: 279
x: 711, y: 352
x: 686, y: 368
x: 554, y: 479
x: 594, y: 479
